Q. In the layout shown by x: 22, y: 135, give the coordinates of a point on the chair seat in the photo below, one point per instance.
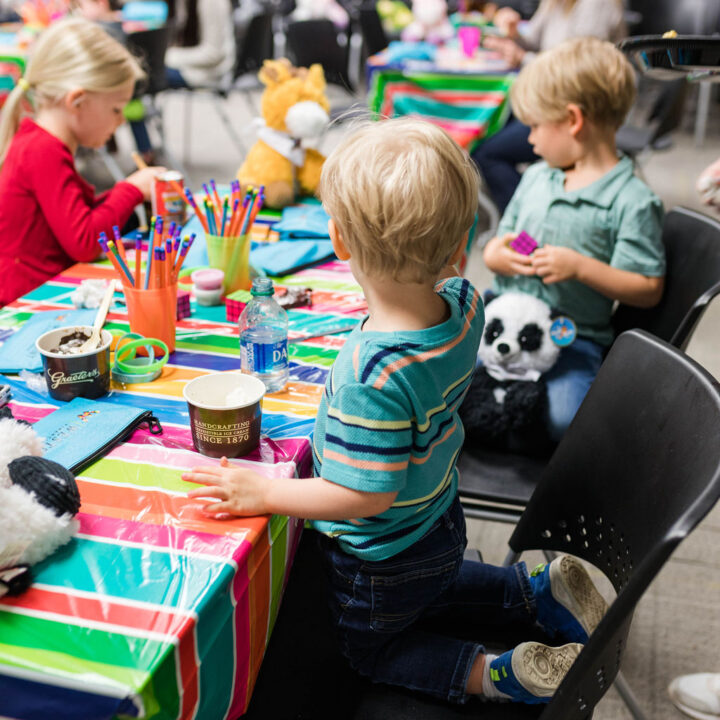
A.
x: 498, y: 478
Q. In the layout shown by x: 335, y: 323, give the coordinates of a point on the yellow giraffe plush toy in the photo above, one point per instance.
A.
x: 294, y: 109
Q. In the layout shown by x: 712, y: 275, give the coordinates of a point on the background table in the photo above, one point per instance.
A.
x: 467, y: 97
x: 154, y: 610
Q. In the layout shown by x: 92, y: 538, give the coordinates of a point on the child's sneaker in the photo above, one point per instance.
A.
x: 532, y: 672
x: 568, y: 603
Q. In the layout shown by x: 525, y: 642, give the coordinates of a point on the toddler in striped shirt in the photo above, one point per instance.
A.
x: 402, y: 196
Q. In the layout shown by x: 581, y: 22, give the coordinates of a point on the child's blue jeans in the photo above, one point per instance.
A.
x: 387, y: 613
x: 568, y: 382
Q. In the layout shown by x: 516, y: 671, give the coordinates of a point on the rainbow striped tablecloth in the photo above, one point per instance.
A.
x: 469, y: 103
x: 154, y: 610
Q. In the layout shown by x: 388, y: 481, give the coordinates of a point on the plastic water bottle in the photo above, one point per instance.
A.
x: 263, y: 337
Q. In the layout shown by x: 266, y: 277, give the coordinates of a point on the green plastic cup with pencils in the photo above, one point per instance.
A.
x: 228, y: 224
x: 151, y: 296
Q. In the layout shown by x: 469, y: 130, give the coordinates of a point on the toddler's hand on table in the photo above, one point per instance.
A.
x: 238, y: 490
x: 143, y: 179
x: 555, y: 264
x: 503, y: 260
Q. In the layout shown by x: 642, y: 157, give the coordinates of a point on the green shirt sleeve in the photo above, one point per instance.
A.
x: 639, y: 247
x: 508, y: 222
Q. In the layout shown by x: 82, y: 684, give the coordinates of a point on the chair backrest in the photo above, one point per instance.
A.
x: 638, y: 468
x: 316, y: 41
x: 256, y: 44
x: 371, y: 28
x: 150, y: 46
x: 692, y: 247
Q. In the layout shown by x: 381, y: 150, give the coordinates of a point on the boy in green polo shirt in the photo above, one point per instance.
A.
x: 597, y: 225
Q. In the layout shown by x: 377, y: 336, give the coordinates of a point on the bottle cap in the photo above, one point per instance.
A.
x: 262, y: 286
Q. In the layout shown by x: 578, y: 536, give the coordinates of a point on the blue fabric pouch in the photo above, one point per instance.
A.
x: 303, y: 221
x: 286, y: 256
x: 82, y: 431
x: 18, y: 352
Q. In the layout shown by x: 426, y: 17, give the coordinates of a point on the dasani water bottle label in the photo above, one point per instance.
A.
x: 264, y: 357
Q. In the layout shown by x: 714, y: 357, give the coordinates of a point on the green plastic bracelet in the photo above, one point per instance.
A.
x: 144, y: 368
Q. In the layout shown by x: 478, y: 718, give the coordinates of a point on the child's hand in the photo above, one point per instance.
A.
x: 503, y: 260
x: 508, y: 50
x: 555, y: 264
x: 143, y: 179
x: 241, y: 491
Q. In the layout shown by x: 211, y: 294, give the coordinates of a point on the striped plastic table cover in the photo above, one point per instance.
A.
x: 154, y: 610
x: 469, y: 105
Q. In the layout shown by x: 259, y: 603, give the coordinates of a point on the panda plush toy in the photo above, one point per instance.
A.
x: 505, y: 406
x: 38, y: 503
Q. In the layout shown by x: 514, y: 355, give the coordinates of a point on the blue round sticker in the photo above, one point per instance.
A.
x: 563, y: 331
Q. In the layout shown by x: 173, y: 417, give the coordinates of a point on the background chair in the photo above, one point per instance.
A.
x: 646, y: 430
x: 316, y: 41
x: 374, y: 37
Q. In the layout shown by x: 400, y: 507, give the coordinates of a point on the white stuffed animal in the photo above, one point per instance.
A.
x: 38, y: 502
x: 430, y: 22
x: 321, y: 10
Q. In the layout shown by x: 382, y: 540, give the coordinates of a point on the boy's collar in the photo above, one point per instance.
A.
x: 603, y: 191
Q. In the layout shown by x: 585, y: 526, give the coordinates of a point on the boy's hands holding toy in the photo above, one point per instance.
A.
x: 556, y: 264
x: 143, y: 179
x: 502, y: 259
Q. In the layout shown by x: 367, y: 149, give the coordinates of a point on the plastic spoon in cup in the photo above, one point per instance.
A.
x: 92, y: 342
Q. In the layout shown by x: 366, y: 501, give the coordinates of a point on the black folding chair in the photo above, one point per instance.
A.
x: 371, y: 28
x: 316, y: 41
x: 497, y: 485
x: 637, y: 470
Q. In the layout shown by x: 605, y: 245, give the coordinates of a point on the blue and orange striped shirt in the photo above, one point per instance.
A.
x: 388, y: 421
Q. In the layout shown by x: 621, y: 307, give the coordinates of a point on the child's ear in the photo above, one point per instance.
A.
x: 337, y: 242
x: 74, y: 98
x: 575, y: 118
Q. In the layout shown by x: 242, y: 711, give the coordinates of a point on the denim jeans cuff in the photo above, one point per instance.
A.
x: 526, y: 589
x: 461, y: 674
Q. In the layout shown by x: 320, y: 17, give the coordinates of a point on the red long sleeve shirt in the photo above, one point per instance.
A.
x: 50, y: 217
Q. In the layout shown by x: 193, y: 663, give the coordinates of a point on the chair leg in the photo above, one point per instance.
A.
x: 628, y: 697
x: 232, y: 132
x: 510, y: 558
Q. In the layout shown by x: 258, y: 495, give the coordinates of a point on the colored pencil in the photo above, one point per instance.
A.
x: 150, y: 252
x: 215, y: 193
x: 193, y: 204
x: 138, y: 258
x: 119, y: 242
x: 119, y: 264
x: 224, y: 216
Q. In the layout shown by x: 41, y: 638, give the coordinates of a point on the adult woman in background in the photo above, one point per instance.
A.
x: 553, y: 22
x: 204, y: 52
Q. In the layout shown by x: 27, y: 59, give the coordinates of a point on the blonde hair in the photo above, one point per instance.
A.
x: 593, y: 74
x: 402, y: 194
x: 70, y: 54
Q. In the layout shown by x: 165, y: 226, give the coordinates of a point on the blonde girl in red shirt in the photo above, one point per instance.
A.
x: 77, y: 82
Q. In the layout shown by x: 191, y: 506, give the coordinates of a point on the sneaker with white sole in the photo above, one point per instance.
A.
x: 697, y: 695
x: 532, y: 672
x: 568, y: 603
